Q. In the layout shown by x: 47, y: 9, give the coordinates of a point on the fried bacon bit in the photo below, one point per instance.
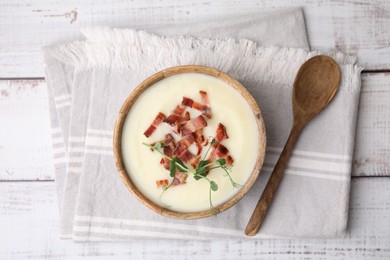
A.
x: 179, y: 110
x: 195, y: 162
x: 220, y: 151
x: 169, y: 145
x: 221, y: 133
x: 206, y: 102
x: 176, y: 115
x: 183, y: 144
x: 180, y: 178
x: 186, y: 156
x: 172, y: 119
x: 165, y: 163
x: 188, y: 102
x: 156, y: 122
x: 186, y: 140
x: 229, y: 160
x: 168, y: 149
x: 198, y: 106
x: 203, y: 107
x: 176, y: 118
x: 186, y: 116
x: 199, y: 137
x: 162, y: 183
x: 199, y: 148
x: 199, y: 140
x: 204, y: 97
x: 193, y: 125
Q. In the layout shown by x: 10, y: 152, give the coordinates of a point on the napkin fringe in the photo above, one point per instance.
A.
x: 112, y: 49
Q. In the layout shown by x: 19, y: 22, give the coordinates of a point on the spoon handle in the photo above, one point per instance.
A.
x: 273, y: 183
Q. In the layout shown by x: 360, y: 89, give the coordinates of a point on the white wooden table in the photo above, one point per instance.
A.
x: 28, y: 208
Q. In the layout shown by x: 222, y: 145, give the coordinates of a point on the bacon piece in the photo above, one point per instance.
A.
x: 180, y: 178
x: 195, y: 162
x: 176, y: 115
x: 204, y: 107
x: 229, y: 160
x: 188, y: 102
x: 183, y: 144
x: 186, y: 140
x: 168, y: 149
x: 199, y: 140
x: 176, y: 118
x: 169, y: 139
x: 199, y: 137
x: 186, y: 156
x: 204, y: 97
x: 179, y: 110
x: 162, y: 183
x: 193, y: 125
x: 186, y: 116
x: 205, y: 100
x: 221, y: 133
x: 156, y: 122
x: 150, y: 130
x: 212, y: 156
x: 165, y: 163
x: 199, y: 106
x: 199, y: 148
x: 172, y: 119
x: 220, y: 151
x: 195, y: 105
x: 169, y: 145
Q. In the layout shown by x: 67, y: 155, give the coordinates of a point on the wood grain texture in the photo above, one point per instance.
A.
x: 23, y: 106
x: 372, y: 150
x: 355, y: 27
x: 25, y: 136
x: 29, y: 217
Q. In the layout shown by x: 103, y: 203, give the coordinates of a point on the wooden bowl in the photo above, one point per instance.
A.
x: 126, y: 108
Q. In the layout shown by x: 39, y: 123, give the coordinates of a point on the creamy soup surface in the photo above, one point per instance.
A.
x: 227, y: 107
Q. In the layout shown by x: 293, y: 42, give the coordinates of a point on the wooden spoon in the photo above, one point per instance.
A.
x: 315, y: 85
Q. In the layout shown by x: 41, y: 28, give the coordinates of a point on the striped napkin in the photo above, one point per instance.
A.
x: 89, y: 80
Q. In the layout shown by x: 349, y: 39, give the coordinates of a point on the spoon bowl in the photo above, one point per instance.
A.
x: 315, y: 85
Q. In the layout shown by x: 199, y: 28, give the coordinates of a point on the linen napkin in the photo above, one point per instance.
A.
x: 313, y: 198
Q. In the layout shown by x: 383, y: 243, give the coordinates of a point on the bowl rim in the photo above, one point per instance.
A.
x: 121, y: 118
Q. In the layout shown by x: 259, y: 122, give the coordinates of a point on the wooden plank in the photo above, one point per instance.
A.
x: 25, y: 144
x: 356, y: 27
x: 26, y: 137
x: 29, y: 229
x: 372, y: 150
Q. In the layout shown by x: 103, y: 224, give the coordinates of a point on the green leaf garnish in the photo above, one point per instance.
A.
x: 158, y: 146
x: 221, y: 161
x: 213, y: 186
x: 172, y: 167
x: 182, y: 167
x: 198, y: 176
x: 201, y: 169
x: 202, y: 164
